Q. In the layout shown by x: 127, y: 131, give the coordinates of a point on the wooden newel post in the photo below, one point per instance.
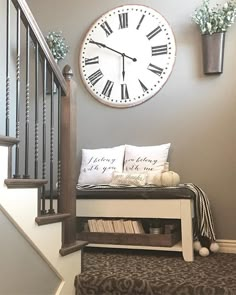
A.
x: 67, y: 202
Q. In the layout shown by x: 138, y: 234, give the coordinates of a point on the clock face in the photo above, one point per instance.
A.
x: 127, y: 55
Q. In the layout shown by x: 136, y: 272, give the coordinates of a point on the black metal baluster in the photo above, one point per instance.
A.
x: 18, y: 29
x: 59, y: 149
x: 36, y: 124
x: 7, y: 70
x: 26, y: 175
x: 43, y: 209
x: 51, y: 210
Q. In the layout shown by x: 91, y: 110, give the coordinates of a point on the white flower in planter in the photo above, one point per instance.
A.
x: 57, y: 45
x: 216, y: 19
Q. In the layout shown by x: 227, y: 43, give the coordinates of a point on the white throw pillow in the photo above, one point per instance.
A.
x: 98, y: 165
x: 137, y: 179
x: 145, y: 158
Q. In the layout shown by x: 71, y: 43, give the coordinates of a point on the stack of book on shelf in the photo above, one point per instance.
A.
x: 115, y: 226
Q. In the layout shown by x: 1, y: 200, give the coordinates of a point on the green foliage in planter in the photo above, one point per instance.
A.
x: 57, y: 45
x: 216, y: 19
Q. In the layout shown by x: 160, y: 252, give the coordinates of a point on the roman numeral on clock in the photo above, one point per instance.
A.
x: 124, y: 91
x: 140, y: 22
x: 108, y: 88
x: 153, y: 33
x: 107, y: 29
x: 95, y: 77
x: 155, y: 69
x: 158, y: 50
x: 91, y: 61
x: 143, y: 86
x: 123, y: 19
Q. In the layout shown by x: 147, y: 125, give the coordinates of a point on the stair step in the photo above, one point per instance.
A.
x: 78, y: 245
x: 51, y: 218
x: 24, y: 183
x: 8, y: 141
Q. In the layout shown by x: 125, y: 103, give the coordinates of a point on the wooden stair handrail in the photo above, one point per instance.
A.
x: 29, y: 20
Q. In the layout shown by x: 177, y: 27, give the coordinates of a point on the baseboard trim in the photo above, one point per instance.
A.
x: 227, y: 246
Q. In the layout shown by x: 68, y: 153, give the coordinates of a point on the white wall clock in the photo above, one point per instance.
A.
x: 127, y: 55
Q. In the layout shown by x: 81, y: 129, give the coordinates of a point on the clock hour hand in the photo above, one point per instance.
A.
x: 107, y: 47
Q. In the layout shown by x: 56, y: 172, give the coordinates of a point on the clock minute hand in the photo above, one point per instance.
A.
x: 123, y: 66
x: 107, y: 47
x: 97, y: 43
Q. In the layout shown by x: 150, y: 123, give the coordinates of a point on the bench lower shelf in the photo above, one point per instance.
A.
x: 176, y: 248
x: 160, y: 240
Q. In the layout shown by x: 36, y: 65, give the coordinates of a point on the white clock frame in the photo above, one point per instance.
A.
x: 136, y: 37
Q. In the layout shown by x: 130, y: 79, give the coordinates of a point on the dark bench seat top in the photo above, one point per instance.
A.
x: 147, y: 192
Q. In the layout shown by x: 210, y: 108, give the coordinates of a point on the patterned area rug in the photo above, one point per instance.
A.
x: 129, y: 272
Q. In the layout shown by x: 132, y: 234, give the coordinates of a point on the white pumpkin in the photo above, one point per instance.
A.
x: 170, y: 178
x: 157, y: 179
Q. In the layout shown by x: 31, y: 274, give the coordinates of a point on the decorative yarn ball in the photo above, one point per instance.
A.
x: 204, y: 252
x: 214, y: 247
x: 197, y: 246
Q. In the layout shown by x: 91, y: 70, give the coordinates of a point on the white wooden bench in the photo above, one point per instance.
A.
x: 171, y: 203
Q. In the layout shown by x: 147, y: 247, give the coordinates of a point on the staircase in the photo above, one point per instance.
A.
x: 38, y: 147
x: 21, y: 204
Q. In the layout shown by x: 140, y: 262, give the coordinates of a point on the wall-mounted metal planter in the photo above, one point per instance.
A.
x: 213, y: 53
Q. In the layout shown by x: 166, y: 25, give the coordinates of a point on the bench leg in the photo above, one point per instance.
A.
x: 186, y: 230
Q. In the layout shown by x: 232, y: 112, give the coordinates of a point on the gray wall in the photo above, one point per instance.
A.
x: 196, y: 113
x: 22, y: 270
